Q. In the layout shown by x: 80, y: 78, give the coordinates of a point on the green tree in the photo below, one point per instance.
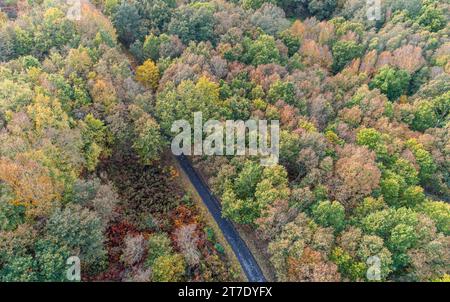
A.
x: 423, y: 159
x: 322, y: 9
x: 148, y: 142
x: 292, y: 42
x: 247, y: 180
x: 193, y: 22
x: 20, y: 269
x: 158, y: 245
x: 180, y: 102
x: 95, y: 139
x: 392, y: 82
x: 368, y: 137
x: 80, y: 230
x: 344, y: 52
x: 261, y: 51
x: 128, y: 22
x: 281, y: 91
x: 156, y: 13
x: 432, y: 17
x: 424, y: 116
x: 391, y: 186
x: 439, y: 212
x: 329, y: 214
x: 150, y: 49
x: 413, y: 196
x: 50, y: 260
x: 255, y: 4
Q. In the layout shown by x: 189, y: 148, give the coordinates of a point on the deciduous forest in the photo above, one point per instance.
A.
x: 86, y: 110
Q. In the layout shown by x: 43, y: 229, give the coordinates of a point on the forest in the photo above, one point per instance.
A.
x: 86, y: 110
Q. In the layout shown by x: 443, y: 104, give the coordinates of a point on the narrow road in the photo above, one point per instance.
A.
x: 245, y: 257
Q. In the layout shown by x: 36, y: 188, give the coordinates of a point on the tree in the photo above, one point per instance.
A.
x: 156, y: 13
x: 253, y: 4
x: 273, y: 186
x: 128, y: 22
x: 282, y: 91
x: 329, y: 214
x: 348, y: 266
x: 81, y: 231
x: 11, y: 216
x: 424, y: 116
x: 261, y: 51
x: 19, y: 269
x: 423, y: 159
x: 322, y: 9
x: 402, y: 229
x: 239, y: 210
x: 150, y: 48
x: 291, y: 41
x: 252, y: 191
x: 158, y: 246
x: 344, y: 52
x: 430, y: 261
x: 105, y: 201
x: 247, y: 180
x: 439, y: 212
x: 134, y: 250
x: 50, y: 260
x: 46, y: 113
x: 392, y: 82
x: 179, y: 102
x: 273, y: 218
x: 187, y: 239
x: 94, y: 138
x: 298, y: 252
x: 168, y: 268
x: 357, y: 175
x: 103, y: 93
x: 148, y: 74
x: 270, y: 18
x: 311, y: 267
x: 431, y: 17
x: 17, y: 263
x: 193, y: 22
x: 413, y: 196
x: 148, y: 142
x: 30, y: 184
x: 368, y: 137
x: 391, y: 187
x: 110, y: 6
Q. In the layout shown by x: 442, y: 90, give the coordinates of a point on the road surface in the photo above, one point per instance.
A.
x: 245, y: 257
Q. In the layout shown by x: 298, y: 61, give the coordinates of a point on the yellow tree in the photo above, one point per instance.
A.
x: 30, y: 184
x: 46, y: 113
x: 148, y: 74
x: 103, y: 92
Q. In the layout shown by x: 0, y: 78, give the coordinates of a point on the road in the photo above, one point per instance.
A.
x: 245, y: 257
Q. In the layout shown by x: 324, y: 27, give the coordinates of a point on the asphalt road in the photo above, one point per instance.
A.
x: 245, y: 257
